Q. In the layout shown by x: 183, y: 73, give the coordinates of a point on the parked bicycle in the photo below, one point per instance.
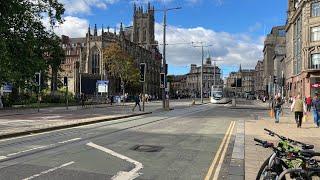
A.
x: 287, y: 154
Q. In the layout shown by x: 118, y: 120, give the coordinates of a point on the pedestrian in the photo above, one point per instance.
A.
x: 315, y: 106
x: 308, y: 102
x: 299, y: 108
x: 276, y: 105
x: 111, y: 99
x: 137, y: 102
x: 83, y: 99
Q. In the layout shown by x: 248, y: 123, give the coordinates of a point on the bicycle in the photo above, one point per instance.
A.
x: 284, y: 156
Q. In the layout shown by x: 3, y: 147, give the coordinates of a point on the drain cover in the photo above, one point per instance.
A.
x: 146, y: 148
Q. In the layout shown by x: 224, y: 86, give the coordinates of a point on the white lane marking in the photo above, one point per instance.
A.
x: 121, y: 175
x: 49, y: 170
x: 70, y: 140
x: 39, y: 147
x: 27, y: 150
x: 3, y: 157
x: 216, y: 174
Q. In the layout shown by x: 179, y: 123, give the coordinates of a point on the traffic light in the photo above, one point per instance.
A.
x: 166, y: 69
x: 142, y: 72
x: 162, y: 80
x: 37, y: 79
x: 275, y: 79
x: 65, y: 81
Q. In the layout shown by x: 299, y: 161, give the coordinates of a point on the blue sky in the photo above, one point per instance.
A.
x: 234, y: 28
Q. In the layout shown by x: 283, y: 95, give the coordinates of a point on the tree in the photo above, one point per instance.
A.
x: 121, y: 65
x: 24, y: 39
x: 55, y: 55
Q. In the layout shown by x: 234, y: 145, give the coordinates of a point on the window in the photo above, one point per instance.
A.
x: 315, y: 61
x: 315, y: 33
x: 282, y: 33
x: 315, y: 9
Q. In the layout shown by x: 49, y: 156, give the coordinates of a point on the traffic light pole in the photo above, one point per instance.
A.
x: 164, y: 98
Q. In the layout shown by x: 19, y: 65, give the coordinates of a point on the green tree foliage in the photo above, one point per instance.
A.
x: 121, y: 65
x: 23, y: 38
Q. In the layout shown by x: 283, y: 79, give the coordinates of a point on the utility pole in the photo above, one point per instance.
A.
x: 202, y: 55
x: 165, y: 10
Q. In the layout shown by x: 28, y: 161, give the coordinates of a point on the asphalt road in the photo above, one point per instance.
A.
x: 182, y: 142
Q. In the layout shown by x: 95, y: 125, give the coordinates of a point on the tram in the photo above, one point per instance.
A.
x: 220, y: 95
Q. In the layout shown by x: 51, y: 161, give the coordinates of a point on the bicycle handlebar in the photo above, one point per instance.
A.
x: 260, y: 141
x: 307, y: 146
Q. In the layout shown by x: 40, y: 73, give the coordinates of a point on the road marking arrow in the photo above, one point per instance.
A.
x: 121, y: 175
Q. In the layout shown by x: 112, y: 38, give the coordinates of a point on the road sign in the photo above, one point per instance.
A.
x: 102, y: 86
x: 7, y: 88
x: 142, y: 72
x: 162, y: 80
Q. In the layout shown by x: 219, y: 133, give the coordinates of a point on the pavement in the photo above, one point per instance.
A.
x: 255, y: 155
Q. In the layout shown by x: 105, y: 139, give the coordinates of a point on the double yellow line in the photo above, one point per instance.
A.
x: 220, y: 154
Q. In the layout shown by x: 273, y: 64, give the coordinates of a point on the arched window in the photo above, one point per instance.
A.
x: 95, y: 61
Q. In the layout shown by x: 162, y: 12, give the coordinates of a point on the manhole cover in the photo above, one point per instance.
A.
x: 146, y: 148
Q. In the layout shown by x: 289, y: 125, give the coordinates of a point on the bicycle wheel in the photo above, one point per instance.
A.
x: 269, y: 173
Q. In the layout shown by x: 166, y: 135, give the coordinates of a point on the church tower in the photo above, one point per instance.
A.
x: 143, y: 26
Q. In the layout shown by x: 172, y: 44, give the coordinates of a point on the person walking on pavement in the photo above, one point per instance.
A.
x: 83, y: 99
x: 137, y: 102
x: 308, y: 102
x: 315, y: 106
x: 276, y: 105
x: 299, y: 108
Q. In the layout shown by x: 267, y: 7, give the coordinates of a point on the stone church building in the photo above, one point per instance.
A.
x: 84, y: 65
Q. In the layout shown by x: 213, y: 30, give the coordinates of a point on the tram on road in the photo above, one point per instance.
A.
x: 220, y: 95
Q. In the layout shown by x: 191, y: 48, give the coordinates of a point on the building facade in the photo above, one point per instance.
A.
x: 258, y: 79
x: 276, y: 38
x: 242, y: 82
x: 178, y: 86
x: 211, y: 76
x: 84, y: 56
x: 303, y: 47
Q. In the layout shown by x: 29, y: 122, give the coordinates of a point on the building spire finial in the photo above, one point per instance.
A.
x: 95, y: 30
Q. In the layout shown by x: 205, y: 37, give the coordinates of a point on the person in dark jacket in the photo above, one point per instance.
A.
x: 137, y: 102
x: 315, y: 106
x: 276, y: 105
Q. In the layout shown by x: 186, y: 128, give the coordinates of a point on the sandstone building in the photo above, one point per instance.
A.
x: 303, y: 47
x: 84, y: 56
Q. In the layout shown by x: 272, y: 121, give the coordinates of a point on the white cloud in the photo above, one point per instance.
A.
x: 84, y: 6
x: 255, y: 27
x: 232, y: 49
x: 72, y: 26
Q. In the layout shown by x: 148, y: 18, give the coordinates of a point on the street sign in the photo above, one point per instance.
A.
x: 7, y: 88
x: 142, y: 72
x: 102, y: 86
x: 162, y: 80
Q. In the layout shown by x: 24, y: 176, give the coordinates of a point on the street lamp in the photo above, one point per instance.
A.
x: 165, y: 10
